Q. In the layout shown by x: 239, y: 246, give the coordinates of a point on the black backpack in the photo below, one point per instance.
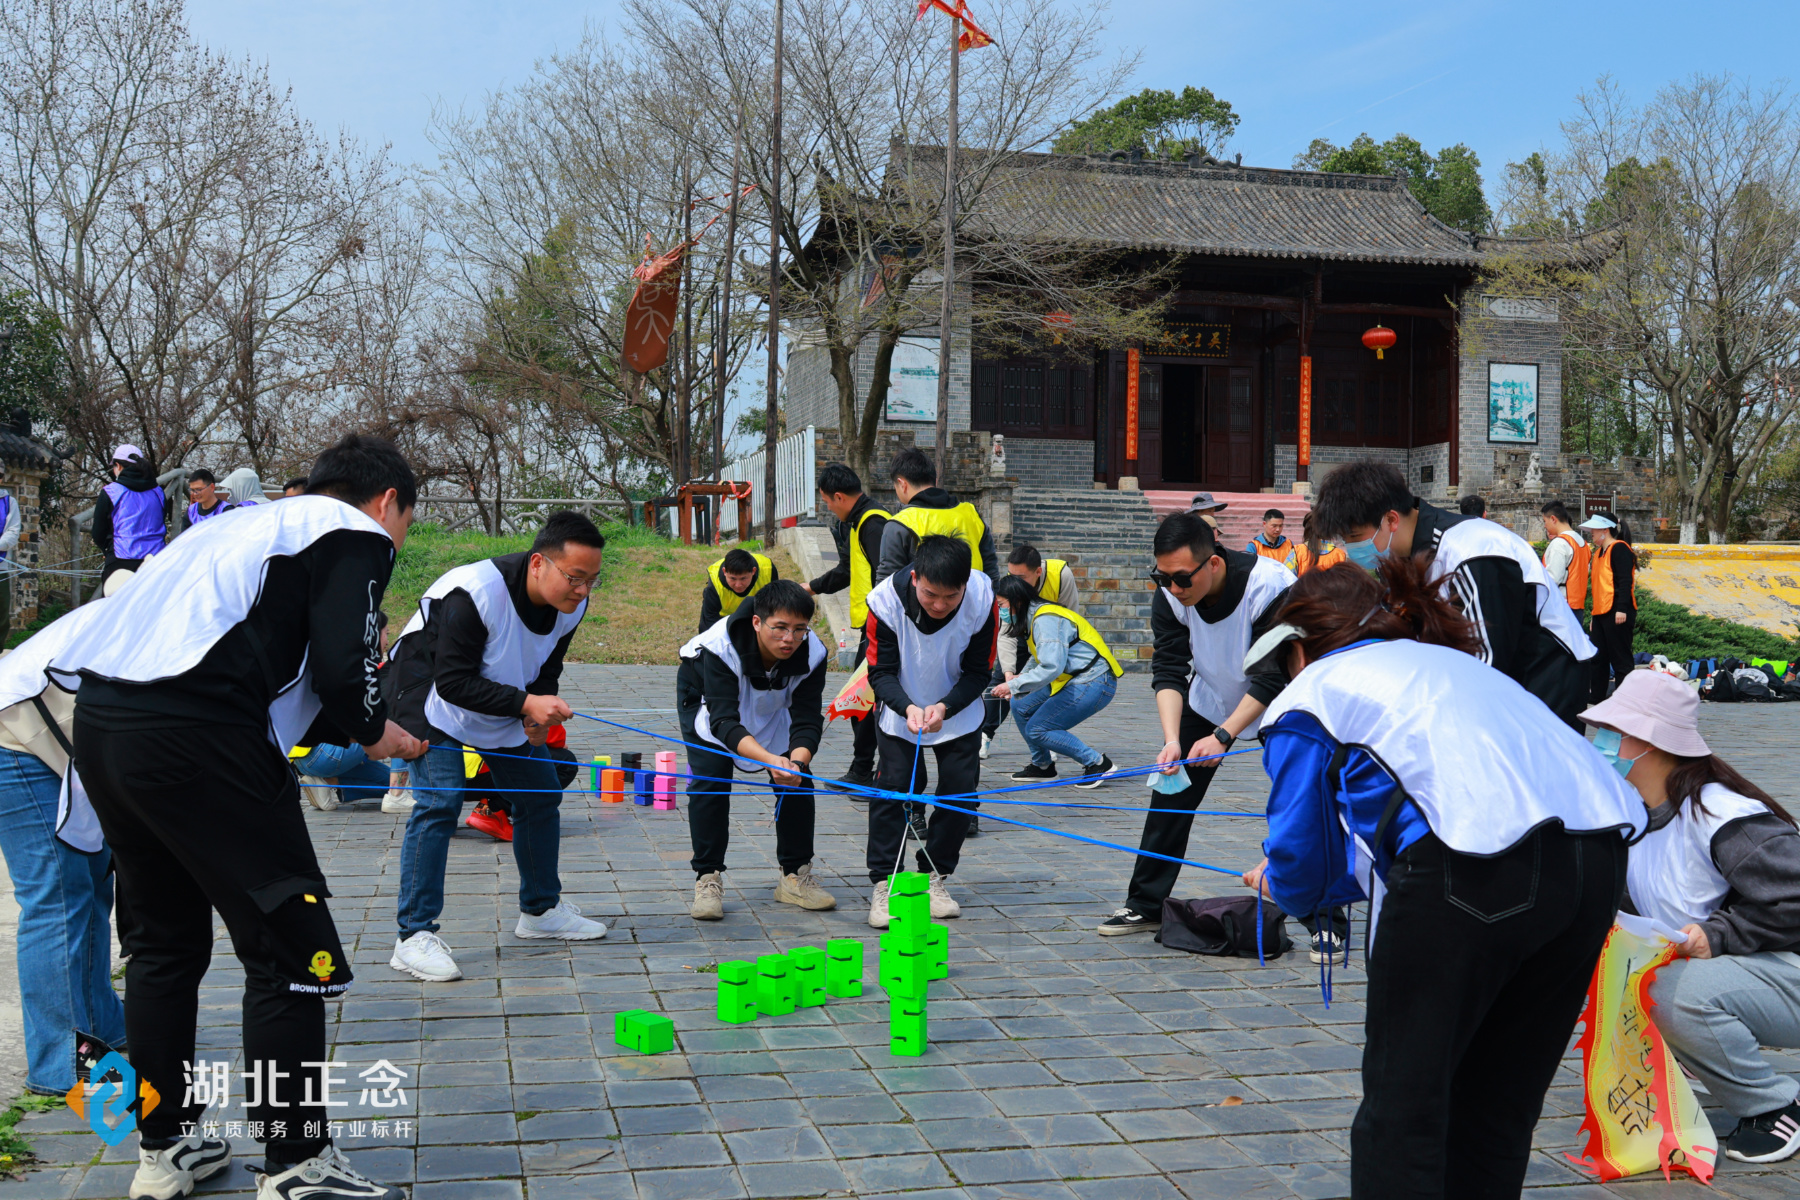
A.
x: 1224, y: 925
x: 1721, y: 688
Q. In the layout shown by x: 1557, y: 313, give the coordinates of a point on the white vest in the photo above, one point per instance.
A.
x: 513, y: 654
x: 1218, y: 648
x: 24, y: 674
x: 202, y: 586
x: 1481, y: 538
x: 1672, y: 877
x: 930, y: 664
x: 1483, y: 759
x: 765, y: 712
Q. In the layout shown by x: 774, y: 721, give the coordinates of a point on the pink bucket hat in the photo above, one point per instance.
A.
x: 1655, y: 708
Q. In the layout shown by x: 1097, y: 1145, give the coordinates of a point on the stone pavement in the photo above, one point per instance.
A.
x: 1061, y: 1065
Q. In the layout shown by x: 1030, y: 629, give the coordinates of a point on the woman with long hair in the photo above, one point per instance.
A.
x: 1486, y: 832
x: 1721, y: 863
x: 1071, y: 676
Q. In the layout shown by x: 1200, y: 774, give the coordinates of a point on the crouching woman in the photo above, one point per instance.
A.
x: 1721, y: 863
x: 1491, y: 839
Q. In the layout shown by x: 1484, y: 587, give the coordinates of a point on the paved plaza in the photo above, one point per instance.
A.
x: 1061, y: 1064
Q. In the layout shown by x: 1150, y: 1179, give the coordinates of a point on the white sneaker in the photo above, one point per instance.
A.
x: 397, y: 801
x: 709, y: 898
x: 986, y: 741
x: 322, y: 794
x: 564, y: 921
x: 425, y: 956
x: 165, y: 1174
x: 878, y: 906
x: 327, y: 1176
x: 942, y: 906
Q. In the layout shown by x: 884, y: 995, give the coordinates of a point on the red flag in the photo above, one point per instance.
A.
x: 971, y: 37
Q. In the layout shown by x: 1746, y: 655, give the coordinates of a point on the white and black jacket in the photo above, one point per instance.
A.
x: 722, y: 681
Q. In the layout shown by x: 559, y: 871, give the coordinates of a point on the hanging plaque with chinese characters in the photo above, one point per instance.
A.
x: 1192, y: 339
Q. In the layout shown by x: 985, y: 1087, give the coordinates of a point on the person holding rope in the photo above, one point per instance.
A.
x: 1071, y: 676
x: 490, y: 637
x: 1491, y: 839
x: 932, y: 629
x: 1210, y: 603
x: 857, y: 531
x: 731, y: 581
x: 188, y: 700
x: 752, y: 686
x: 1526, y: 630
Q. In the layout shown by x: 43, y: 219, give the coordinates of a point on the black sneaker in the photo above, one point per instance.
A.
x: 1327, y: 946
x: 919, y: 828
x: 326, y: 1176
x: 974, y: 826
x: 1094, y: 776
x: 1031, y: 773
x: 1128, y: 920
x: 850, y: 780
x: 1772, y: 1137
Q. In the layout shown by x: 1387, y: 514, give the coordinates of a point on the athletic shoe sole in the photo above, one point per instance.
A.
x: 1021, y: 777
x: 1122, y: 930
x: 561, y: 937
x: 1785, y: 1152
x: 416, y: 973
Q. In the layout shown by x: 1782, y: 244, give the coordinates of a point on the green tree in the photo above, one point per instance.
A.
x: 1447, y: 183
x: 33, y: 371
x: 1161, y: 122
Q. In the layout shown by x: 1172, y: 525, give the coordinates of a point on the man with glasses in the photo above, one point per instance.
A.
x: 1210, y: 605
x: 489, y: 639
x: 752, y: 686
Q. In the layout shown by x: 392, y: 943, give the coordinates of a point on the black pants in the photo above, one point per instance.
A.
x: 1613, y: 641
x: 709, y: 810
x: 997, y: 709
x: 1478, y: 975
x: 862, y: 729
x: 1166, y: 827
x: 959, y: 771
x: 204, y: 819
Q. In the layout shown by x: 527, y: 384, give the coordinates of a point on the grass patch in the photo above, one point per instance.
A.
x: 1682, y: 634
x: 646, y: 607
x: 15, y: 1150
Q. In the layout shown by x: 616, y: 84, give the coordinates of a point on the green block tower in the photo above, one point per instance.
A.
x: 844, y: 967
x: 737, y: 992
x: 644, y: 1031
x: 913, y: 952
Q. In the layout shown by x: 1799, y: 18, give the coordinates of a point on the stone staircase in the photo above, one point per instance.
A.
x: 1105, y: 537
x: 1242, y: 518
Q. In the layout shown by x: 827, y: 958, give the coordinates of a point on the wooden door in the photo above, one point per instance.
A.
x: 1231, y: 429
x: 1150, y: 425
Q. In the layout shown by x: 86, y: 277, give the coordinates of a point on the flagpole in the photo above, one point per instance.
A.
x: 949, y: 224
x: 722, y: 345
x: 773, y: 412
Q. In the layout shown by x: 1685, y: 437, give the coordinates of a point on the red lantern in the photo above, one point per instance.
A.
x: 1379, y: 339
x: 1057, y: 322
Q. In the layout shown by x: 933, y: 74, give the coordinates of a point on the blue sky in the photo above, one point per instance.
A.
x: 1498, y: 76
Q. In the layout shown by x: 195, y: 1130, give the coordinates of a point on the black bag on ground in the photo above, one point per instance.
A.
x: 1721, y: 688
x: 1223, y: 925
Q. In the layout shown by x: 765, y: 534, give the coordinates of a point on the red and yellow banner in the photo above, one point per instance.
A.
x: 1304, y: 455
x: 1132, y: 368
x: 970, y: 36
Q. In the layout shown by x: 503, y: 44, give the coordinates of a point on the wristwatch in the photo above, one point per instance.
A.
x: 1224, y: 736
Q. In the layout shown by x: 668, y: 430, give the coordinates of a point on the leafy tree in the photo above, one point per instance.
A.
x: 1447, y: 183
x: 1166, y: 124
x: 33, y: 372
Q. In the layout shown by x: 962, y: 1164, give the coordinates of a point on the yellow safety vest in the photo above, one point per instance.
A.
x: 962, y: 521
x: 1052, y: 585
x: 728, y: 599
x: 862, y: 571
x: 1084, y: 630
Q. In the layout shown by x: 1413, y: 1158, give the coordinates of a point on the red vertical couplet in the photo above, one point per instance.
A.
x: 1132, y: 368
x: 1304, y: 450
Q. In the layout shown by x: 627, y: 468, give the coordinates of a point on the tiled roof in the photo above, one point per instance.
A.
x: 1254, y: 212
x: 23, y: 451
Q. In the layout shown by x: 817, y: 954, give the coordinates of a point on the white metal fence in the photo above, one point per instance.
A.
x: 517, y: 514
x: 795, y: 473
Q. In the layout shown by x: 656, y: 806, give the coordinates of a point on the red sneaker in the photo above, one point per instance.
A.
x: 495, y: 824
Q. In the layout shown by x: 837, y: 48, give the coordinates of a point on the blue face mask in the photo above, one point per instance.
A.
x: 1608, y: 742
x: 1365, y: 554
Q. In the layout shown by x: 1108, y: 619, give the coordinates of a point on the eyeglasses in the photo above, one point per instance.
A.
x: 580, y: 583
x: 1177, y: 579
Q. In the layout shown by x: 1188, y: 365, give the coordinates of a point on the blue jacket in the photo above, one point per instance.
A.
x: 1311, y: 856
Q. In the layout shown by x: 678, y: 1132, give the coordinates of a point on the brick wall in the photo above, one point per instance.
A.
x: 1524, y: 480
x: 1487, y: 338
x: 1413, y: 462
x: 1050, y: 462
x: 26, y: 489
x: 1105, y: 538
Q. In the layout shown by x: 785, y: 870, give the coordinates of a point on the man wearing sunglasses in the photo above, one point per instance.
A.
x: 751, y: 686
x: 1210, y: 605
x: 486, y: 648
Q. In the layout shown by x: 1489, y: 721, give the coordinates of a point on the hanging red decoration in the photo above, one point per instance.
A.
x: 1057, y: 322
x: 1379, y: 339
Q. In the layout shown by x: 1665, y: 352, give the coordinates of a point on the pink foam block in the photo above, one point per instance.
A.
x: 665, y: 779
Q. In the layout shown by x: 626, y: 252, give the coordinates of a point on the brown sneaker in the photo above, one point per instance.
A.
x: 800, y: 889
x: 709, y: 898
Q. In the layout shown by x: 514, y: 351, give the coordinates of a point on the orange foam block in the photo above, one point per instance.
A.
x: 612, y: 786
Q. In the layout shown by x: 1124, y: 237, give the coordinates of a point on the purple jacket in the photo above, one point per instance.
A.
x: 137, y: 521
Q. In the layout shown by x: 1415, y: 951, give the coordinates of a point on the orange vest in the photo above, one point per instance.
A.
x: 1279, y: 553
x: 1575, y: 587
x: 1600, y: 571
x: 1330, y: 558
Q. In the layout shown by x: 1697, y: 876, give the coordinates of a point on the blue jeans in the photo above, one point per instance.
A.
x: 65, y: 937
x: 358, y: 778
x: 529, y: 785
x: 1045, y: 721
